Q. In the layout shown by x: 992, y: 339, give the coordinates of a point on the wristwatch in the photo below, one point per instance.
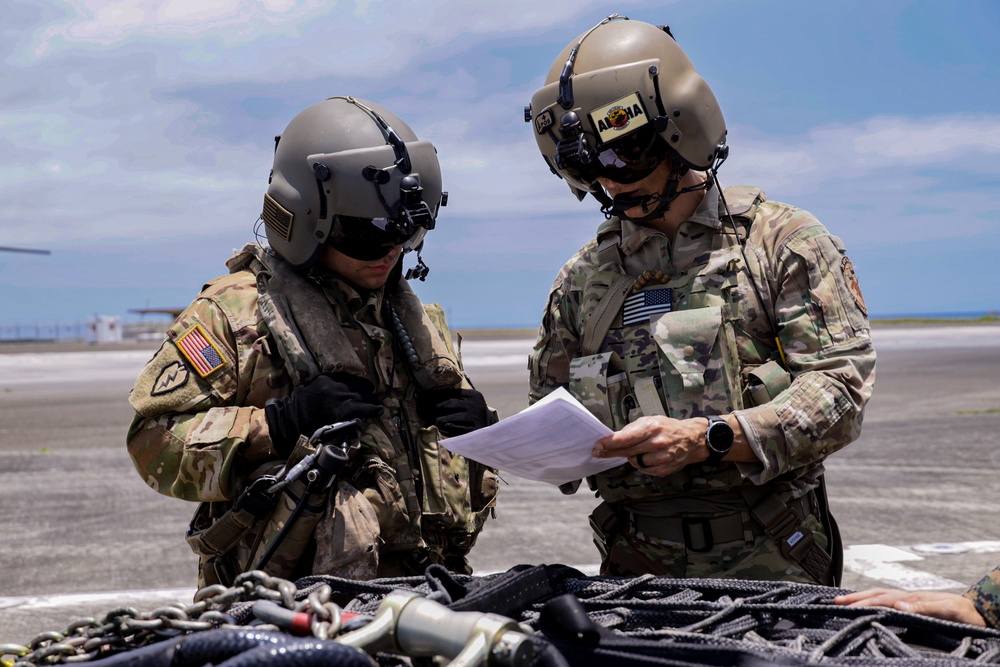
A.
x: 719, y: 438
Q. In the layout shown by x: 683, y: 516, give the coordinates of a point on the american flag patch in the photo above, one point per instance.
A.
x: 200, y: 351
x: 640, y: 306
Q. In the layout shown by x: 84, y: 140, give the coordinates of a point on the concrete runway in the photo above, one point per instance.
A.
x: 80, y: 534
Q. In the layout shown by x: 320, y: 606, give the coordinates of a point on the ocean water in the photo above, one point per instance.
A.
x: 935, y: 316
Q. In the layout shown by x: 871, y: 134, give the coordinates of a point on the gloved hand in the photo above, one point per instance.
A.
x: 325, y: 399
x: 454, y: 411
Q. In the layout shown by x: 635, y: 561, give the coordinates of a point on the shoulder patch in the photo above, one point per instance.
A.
x: 200, y: 351
x: 166, y: 384
x: 173, y: 376
x: 851, y: 278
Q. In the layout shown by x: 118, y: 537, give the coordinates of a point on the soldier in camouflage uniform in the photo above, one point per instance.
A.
x: 979, y: 605
x: 721, y: 335
x: 321, y: 328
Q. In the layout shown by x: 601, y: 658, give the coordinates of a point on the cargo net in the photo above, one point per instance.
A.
x: 548, y: 615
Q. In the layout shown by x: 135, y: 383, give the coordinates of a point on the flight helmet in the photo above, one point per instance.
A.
x: 350, y: 174
x: 617, y: 101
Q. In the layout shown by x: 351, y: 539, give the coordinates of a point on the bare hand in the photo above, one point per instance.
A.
x: 945, y: 606
x: 665, y: 445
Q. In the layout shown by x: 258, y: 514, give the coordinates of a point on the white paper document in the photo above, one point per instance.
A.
x: 549, y: 441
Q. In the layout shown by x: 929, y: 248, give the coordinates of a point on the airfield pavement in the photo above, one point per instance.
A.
x: 80, y: 533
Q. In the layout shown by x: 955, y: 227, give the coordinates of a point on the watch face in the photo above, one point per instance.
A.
x: 720, y: 436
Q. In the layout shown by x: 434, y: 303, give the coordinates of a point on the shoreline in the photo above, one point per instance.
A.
x: 36, y: 346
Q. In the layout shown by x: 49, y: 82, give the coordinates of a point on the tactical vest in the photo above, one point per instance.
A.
x: 425, y: 497
x: 683, y: 363
x: 312, y: 341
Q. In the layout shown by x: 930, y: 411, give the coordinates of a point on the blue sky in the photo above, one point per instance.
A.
x: 136, y: 137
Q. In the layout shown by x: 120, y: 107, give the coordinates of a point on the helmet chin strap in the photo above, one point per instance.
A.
x: 653, y: 206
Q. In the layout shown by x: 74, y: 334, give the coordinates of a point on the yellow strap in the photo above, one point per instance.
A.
x: 781, y: 352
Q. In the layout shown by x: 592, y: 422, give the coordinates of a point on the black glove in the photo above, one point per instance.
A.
x: 454, y: 411
x: 324, y: 399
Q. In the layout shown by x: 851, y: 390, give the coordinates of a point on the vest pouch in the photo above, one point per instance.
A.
x: 219, y: 533
x: 600, y: 383
x: 457, y: 493
x: 282, y: 563
x: 485, y: 487
x: 213, y: 567
x: 347, y: 537
x: 767, y: 381
x: 382, y: 491
x: 698, y: 363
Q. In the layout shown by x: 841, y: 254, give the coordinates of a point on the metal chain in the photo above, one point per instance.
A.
x: 327, y: 615
x: 126, y: 628
x: 754, y: 619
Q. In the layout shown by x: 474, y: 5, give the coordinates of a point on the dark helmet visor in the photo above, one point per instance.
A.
x: 626, y: 160
x: 369, y: 239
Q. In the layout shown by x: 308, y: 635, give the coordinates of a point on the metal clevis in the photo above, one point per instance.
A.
x: 416, y: 626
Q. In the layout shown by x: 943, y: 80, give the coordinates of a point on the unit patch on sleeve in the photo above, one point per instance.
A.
x: 200, y: 351
x: 173, y: 376
x: 851, y: 277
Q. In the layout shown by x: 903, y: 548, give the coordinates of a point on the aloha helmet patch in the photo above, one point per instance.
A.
x: 173, y: 376
x: 619, y: 118
x: 851, y: 278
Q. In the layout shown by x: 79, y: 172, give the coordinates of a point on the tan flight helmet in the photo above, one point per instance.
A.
x: 619, y: 98
x: 351, y: 174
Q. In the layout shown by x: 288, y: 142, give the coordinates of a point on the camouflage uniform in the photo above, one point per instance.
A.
x: 200, y: 433
x: 703, y: 357
x: 985, y: 594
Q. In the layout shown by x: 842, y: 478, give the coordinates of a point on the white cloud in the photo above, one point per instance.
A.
x: 104, y: 23
x: 437, y: 21
x: 874, y: 145
x: 266, y: 40
x: 881, y: 180
x: 928, y: 140
x: 133, y: 120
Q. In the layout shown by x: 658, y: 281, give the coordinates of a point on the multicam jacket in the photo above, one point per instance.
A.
x: 709, y: 335
x: 985, y: 594
x: 200, y: 430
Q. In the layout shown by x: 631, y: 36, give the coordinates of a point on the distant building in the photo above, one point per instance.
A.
x: 104, y: 329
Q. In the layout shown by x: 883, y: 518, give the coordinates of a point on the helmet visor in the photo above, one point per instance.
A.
x: 369, y: 239
x: 626, y: 160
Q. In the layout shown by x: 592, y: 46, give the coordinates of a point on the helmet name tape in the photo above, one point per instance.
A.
x: 619, y: 118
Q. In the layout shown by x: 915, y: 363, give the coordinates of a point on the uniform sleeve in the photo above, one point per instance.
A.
x: 985, y: 595
x: 558, y: 342
x: 190, y: 438
x: 823, y: 326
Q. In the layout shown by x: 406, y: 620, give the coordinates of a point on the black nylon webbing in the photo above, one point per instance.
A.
x: 686, y: 622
